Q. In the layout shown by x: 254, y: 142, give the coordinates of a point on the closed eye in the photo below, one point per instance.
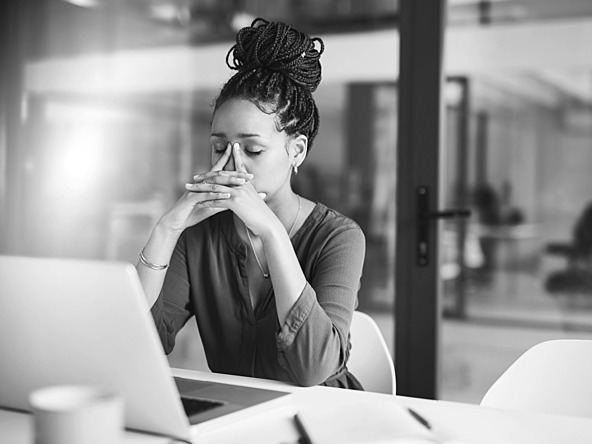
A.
x: 219, y: 147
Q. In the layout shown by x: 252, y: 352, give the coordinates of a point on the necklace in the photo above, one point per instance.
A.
x: 266, y: 275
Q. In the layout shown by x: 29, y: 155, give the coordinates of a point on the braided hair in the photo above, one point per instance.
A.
x: 278, y: 70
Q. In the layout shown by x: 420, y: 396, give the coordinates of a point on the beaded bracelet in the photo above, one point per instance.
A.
x: 150, y: 264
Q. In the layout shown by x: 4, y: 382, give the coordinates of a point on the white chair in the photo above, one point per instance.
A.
x: 551, y: 377
x: 369, y: 360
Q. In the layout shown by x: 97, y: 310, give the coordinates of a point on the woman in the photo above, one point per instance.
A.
x: 271, y: 277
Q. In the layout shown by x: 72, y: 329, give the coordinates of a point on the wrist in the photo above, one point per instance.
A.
x: 148, y: 264
x: 273, y: 231
x: 160, y: 245
x: 166, y: 230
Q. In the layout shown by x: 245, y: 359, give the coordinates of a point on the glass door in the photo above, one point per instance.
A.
x: 518, y: 139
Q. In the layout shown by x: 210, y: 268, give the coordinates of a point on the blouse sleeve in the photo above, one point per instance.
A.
x: 313, y: 341
x: 172, y: 312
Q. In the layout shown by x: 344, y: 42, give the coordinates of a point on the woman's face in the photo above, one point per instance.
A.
x: 264, y: 150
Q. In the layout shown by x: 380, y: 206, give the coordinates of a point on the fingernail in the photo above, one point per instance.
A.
x: 236, y: 146
x: 250, y: 176
x: 188, y: 185
x: 225, y: 195
x: 240, y: 180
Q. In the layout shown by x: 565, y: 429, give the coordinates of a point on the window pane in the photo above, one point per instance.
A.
x: 116, y: 108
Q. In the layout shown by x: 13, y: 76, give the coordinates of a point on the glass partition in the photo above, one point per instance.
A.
x: 518, y: 139
x: 114, y: 107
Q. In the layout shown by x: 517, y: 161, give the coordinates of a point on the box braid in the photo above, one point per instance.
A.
x: 278, y: 70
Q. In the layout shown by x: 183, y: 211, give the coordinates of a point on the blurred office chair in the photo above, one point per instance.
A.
x: 552, y: 377
x: 370, y: 360
x: 575, y: 280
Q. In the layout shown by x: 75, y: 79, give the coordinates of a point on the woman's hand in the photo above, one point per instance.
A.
x: 203, y: 198
x: 247, y: 203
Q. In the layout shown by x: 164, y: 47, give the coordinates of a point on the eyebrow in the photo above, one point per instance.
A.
x: 240, y: 135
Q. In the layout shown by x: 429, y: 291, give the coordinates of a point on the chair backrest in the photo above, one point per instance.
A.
x: 369, y: 360
x: 551, y: 377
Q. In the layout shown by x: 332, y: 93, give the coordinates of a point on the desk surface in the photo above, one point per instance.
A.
x: 454, y: 423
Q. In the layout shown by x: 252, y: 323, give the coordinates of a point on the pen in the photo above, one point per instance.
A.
x: 304, y: 436
x: 424, y: 422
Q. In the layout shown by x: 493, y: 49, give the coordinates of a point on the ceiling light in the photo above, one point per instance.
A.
x: 240, y: 20
x: 169, y: 12
x: 84, y: 3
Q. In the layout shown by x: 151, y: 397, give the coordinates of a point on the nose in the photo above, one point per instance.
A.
x: 230, y: 164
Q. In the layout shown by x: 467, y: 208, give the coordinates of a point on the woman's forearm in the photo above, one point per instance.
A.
x: 313, y: 342
x: 158, y: 250
x: 286, y: 274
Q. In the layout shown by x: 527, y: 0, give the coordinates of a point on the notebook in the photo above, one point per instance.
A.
x: 354, y: 422
x: 66, y: 321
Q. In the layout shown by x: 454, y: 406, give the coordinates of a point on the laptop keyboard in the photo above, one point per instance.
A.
x: 193, y: 406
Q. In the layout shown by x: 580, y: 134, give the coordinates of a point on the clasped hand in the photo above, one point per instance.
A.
x: 219, y: 190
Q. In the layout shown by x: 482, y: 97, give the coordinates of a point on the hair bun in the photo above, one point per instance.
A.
x: 278, y: 47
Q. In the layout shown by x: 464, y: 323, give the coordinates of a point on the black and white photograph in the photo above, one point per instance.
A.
x: 296, y: 221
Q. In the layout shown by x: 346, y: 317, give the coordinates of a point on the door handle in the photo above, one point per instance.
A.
x: 424, y: 216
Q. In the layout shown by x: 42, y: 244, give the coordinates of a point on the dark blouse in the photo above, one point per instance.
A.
x: 207, y: 278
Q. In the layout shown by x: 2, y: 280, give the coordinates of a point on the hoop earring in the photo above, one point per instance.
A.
x: 295, y: 168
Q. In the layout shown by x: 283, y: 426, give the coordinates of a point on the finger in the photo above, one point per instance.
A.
x: 224, y: 159
x: 214, y: 203
x: 206, y: 188
x: 224, y: 179
x: 239, y: 165
x: 221, y: 173
x: 205, y: 199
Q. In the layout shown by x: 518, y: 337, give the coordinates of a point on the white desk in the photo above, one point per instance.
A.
x: 458, y: 423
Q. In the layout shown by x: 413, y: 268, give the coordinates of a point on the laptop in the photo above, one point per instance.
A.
x: 66, y: 321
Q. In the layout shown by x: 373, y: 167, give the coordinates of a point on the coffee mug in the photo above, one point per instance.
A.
x: 77, y: 414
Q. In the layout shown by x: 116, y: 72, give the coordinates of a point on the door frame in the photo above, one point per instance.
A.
x: 420, y: 117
